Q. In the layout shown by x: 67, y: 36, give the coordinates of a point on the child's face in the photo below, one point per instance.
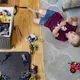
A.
x: 73, y: 37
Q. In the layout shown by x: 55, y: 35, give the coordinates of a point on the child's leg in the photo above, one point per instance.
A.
x: 40, y: 11
x: 36, y: 20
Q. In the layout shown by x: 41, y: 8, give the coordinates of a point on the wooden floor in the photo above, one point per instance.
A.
x: 24, y: 20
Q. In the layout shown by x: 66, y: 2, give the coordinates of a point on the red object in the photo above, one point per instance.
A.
x: 74, y: 67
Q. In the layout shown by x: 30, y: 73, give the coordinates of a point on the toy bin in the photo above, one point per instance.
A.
x: 6, y: 26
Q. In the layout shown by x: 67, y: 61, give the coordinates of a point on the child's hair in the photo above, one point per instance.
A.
x: 78, y: 43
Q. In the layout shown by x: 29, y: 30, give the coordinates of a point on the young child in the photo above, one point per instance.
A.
x: 63, y: 30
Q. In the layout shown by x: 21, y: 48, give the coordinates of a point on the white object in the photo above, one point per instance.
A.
x: 32, y: 35
x: 63, y: 28
x: 23, y: 57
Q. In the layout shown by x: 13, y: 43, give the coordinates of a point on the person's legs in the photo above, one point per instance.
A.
x: 40, y: 11
x: 46, y: 14
x: 36, y: 20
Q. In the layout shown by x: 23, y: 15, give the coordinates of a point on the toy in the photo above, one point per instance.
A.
x: 34, y: 70
x: 6, y: 13
x: 24, y: 58
x: 4, y: 77
x: 31, y: 38
x: 33, y: 48
x: 74, y: 66
x: 30, y: 75
x: 25, y: 75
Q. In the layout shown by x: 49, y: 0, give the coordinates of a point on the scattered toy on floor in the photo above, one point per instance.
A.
x: 4, y: 77
x: 8, y: 55
x: 25, y: 75
x: 33, y: 48
x: 34, y: 70
x: 30, y: 75
x: 74, y: 66
x: 24, y: 58
x: 32, y: 38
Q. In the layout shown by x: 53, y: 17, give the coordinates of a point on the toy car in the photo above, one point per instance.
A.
x: 25, y: 75
x: 28, y: 75
x: 31, y: 38
x: 24, y: 58
x: 74, y: 66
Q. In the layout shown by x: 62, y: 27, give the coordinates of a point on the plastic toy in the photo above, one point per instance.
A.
x: 33, y: 48
x: 4, y: 77
x: 6, y: 13
x: 25, y: 75
x: 31, y: 38
x: 74, y: 66
x: 24, y: 58
x: 34, y: 70
x: 30, y: 75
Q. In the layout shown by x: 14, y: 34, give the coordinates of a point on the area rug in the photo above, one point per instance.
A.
x: 13, y: 66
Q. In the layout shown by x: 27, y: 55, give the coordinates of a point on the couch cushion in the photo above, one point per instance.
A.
x: 67, y: 4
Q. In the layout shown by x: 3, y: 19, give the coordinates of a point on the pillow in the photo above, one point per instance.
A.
x: 67, y: 4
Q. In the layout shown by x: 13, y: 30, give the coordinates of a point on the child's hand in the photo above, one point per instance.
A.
x: 70, y: 19
x: 63, y: 23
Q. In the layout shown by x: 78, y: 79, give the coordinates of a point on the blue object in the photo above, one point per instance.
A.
x: 48, y: 14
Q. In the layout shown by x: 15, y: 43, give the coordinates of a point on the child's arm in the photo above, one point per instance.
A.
x: 75, y: 21
x: 55, y: 31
